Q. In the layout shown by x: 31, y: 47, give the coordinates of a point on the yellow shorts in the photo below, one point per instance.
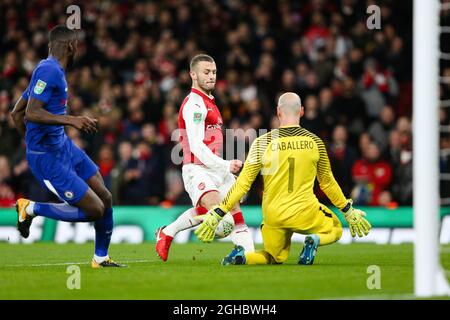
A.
x: 277, y: 240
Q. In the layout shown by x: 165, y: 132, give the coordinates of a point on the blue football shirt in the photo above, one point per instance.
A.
x: 48, y: 84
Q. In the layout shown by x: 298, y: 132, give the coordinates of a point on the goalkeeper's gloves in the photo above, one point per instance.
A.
x: 210, y: 221
x: 356, y: 221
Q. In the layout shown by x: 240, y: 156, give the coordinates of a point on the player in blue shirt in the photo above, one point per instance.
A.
x: 65, y: 169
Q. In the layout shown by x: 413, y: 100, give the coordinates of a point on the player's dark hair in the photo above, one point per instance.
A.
x: 61, y: 33
x: 200, y: 57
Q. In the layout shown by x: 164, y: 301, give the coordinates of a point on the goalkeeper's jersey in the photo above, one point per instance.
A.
x: 289, y: 159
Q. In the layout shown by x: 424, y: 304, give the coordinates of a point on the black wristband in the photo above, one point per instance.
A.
x: 347, y: 207
x: 220, y: 212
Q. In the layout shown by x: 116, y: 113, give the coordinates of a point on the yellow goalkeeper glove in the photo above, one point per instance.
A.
x: 210, y: 221
x: 356, y: 221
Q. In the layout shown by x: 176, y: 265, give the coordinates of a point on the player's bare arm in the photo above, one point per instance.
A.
x: 18, y: 115
x: 35, y: 112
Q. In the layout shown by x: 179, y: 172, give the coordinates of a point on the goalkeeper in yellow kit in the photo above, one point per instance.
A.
x: 289, y: 159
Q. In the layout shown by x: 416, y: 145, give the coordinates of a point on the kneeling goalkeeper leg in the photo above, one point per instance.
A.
x: 332, y: 235
x: 277, y: 243
x: 259, y: 257
x: 328, y: 231
x: 238, y: 256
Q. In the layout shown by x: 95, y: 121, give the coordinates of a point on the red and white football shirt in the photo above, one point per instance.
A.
x: 201, y: 137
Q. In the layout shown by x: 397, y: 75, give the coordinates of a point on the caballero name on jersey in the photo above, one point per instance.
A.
x: 293, y: 145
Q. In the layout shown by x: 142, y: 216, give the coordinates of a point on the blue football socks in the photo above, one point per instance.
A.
x: 103, y: 231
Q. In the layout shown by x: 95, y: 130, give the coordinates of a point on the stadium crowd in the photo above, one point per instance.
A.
x: 132, y: 75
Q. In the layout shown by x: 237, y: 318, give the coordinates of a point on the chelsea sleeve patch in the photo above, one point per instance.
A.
x: 39, y: 87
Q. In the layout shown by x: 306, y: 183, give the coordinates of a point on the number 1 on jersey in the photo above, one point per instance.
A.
x: 291, y: 174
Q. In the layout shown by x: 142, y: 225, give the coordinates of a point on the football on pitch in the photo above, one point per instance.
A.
x: 225, y: 226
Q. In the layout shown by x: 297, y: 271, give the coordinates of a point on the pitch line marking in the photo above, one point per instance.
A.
x: 65, y: 263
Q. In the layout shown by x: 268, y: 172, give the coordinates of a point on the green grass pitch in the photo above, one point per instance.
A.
x: 193, y: 271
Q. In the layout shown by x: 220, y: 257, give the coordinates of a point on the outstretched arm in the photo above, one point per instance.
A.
x: 354, y: 217
x: 35, y: 112
x: 326, y: 179
x: 40, y: 91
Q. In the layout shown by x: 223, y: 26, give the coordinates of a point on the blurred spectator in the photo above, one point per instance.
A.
x: 9, y: 137
x: 401, y: 159
x: 378, y: 87
x: 350, y: 109
x: 143, y: 176
x: 175, y: 188
x: 342, y: 157
x: 7, y: 195
x: 394, y: 148
x: 402, y: 185
x: 323, y: 67
x: 364, y: 143
x: 380, y: 129
x: 326, y: 109
x: 372, y: 176
x: 125, y: 154
x: 312, y: 119
x: 106, y: 163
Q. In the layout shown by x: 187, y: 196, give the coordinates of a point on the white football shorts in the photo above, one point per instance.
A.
x: 198, y: 180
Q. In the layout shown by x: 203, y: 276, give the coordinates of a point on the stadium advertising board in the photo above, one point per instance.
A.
x: 138, y: 224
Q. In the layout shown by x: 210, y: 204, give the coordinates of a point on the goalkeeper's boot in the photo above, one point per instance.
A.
x: 237, y: 256
x: 309, y: 249
x: 163, y: 243
x: 108, y: 263
x: 23, y: 219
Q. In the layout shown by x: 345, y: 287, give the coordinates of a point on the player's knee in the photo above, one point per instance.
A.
x: 107, y: 199
x: 338, y: 232
x: 210, y: 199
x: 96, y: 211
x: 99, y: 210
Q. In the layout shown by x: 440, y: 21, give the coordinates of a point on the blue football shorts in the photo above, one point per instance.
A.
x: 64, y: 171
